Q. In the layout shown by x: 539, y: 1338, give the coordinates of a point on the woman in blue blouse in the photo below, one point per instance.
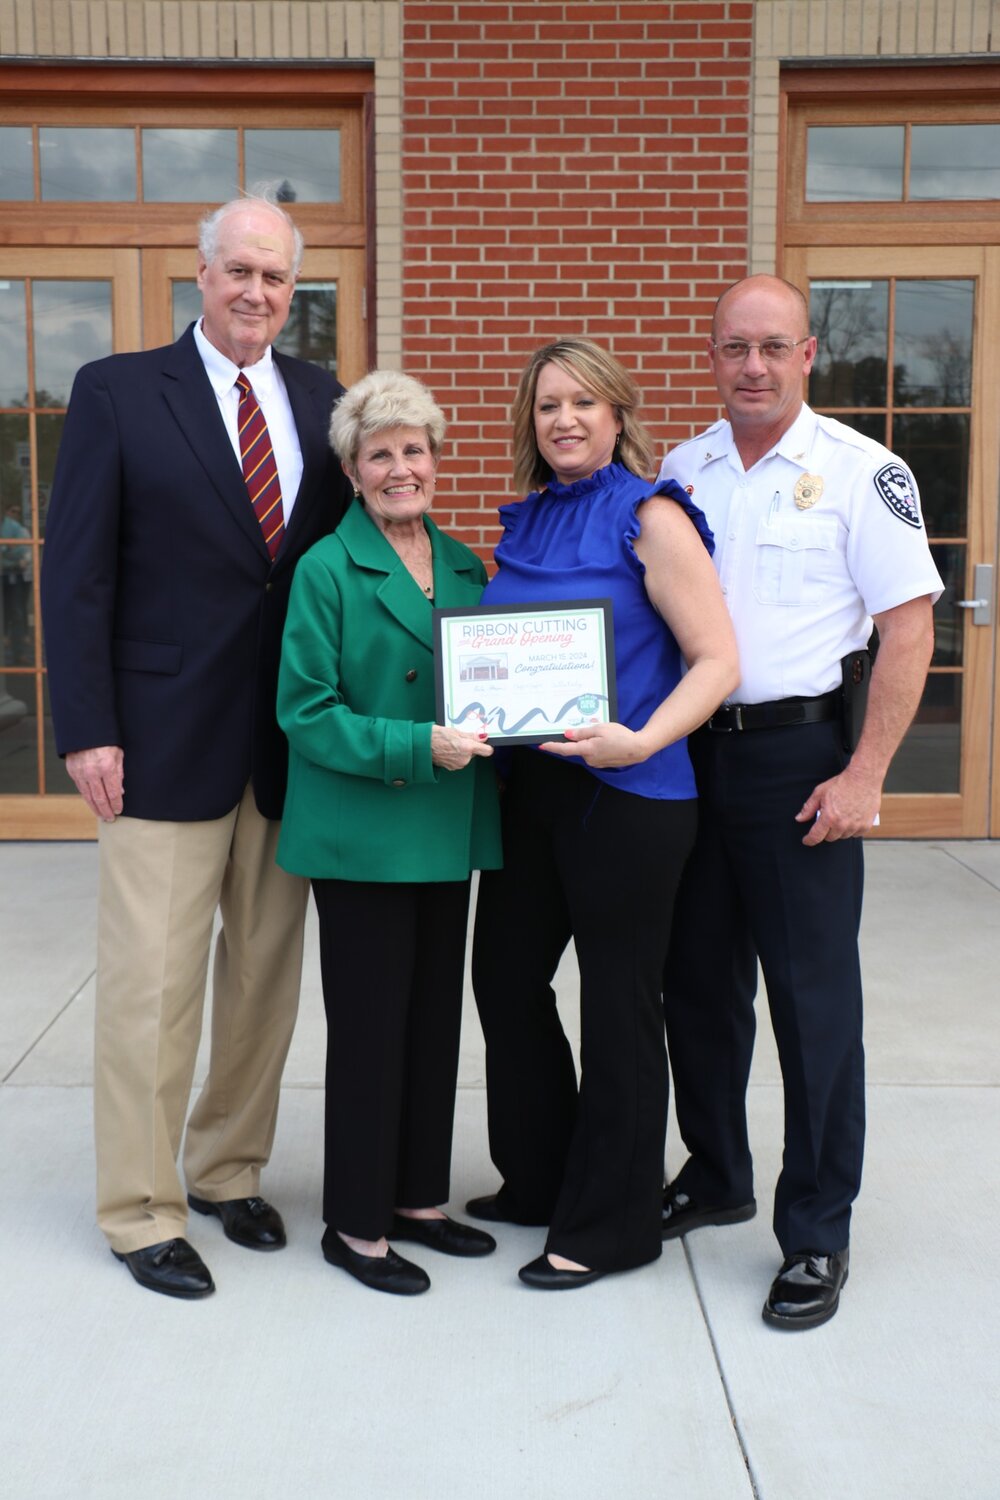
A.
x: 596, y: 829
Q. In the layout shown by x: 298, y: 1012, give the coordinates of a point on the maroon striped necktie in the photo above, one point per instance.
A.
x: 259, y: 468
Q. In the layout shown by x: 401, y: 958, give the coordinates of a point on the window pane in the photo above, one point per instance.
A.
x: 937, y: 450
x: 13, y: 345
x: 932, y: 361
x: 87, y: 164
x: 928, y: 760
x: 17, y: 562
x: 189, y: 166
x: 311, y: 330
x: 72, y: 326
x: 56, y: 778
x: 48, y: 432
x: 18, y: 745
x: 17, y: 174
x: 854, y: 163
x: 954, y: 161
x: 303, y: 165
x: 948, y: 622
x: 186, y: 304
x: 851, y: 322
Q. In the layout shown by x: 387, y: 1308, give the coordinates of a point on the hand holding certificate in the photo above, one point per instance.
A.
x: 526, y: 676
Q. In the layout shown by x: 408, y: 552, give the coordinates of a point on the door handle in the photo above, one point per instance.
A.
x: 982, y: 587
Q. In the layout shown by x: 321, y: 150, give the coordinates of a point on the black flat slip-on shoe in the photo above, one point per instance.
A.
x: 446, y: 1235
x: 383, y: 1273
x: 681, y: 1214
x: 172, y: 1267
x: 546, y: 1277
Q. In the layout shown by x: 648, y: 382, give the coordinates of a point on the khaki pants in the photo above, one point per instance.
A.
x: 160, y: 886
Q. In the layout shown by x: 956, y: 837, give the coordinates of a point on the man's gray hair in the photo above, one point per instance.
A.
x: 378, y: 402
x: 261, y: 195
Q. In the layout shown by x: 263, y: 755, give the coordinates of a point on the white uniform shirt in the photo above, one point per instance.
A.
x: 803, y: 584
x: 269, y: 388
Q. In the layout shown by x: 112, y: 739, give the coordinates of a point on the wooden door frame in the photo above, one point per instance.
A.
x: 965, y: 814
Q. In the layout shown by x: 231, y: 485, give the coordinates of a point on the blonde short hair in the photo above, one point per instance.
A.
x: 601, y: 373
x: 380, y: 400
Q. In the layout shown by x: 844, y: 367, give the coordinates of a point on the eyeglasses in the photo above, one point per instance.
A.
x: 774, y: 351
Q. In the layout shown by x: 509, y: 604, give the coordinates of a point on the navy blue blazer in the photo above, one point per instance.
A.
x: 162, y: 610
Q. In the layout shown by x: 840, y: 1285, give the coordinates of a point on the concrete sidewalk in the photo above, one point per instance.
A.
x: 293, y: 1381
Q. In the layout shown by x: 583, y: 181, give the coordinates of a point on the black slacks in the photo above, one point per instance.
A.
x: 752, y: 888
x: 582, y: 860
x: 392, y: 959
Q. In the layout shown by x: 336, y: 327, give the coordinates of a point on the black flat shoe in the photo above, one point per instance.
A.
x: 250, y: 1222
x: 172, y: 1267
x: 806, y: 1291
x: 446, y: 1235
x: 383, y: 1273
x: 681, y: 1214
x: 541, y: 1273
x: 494, y: 1210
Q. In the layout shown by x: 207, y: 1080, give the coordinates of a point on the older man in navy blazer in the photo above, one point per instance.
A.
x: 190, y: 480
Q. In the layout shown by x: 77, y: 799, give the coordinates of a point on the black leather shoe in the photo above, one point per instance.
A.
x: 806, y: 1291
x: 541, y: 1273
x: 250, y: 1222
x: 446, y: 1235
x: 494, y: 1210
x: 681, y: 1214
x: 172, y: 1267
x: 383, y: 1273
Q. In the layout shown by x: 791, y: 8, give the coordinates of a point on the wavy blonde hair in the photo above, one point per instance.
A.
x: 379, y: 401
x: 601, y: 373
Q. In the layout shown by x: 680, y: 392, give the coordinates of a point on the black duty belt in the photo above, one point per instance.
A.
x: 736, y: 716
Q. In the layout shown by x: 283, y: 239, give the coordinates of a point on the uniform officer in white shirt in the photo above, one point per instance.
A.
x: 818, y: 533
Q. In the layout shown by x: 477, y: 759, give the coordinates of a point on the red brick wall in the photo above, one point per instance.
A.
x: 568, y: 168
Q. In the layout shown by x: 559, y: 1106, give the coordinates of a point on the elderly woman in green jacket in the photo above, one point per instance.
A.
x: 387, y: 813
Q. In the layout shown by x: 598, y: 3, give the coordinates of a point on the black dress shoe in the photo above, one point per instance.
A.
x: 250, y: 1222
x: 172, y: 1267
x: 681, y: 1214
x: 541, y: 1273
x: 446, y: 1235
x: 493, y: 1208
x: 806, y: 1291
x: 383, y: 1273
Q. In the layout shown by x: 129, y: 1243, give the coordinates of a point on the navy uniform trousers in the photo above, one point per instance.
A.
x: 752, y: 889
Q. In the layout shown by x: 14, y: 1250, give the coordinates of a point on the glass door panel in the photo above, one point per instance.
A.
x: 58, y: 309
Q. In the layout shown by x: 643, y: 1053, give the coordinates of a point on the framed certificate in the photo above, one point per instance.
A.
x: 525, y: 675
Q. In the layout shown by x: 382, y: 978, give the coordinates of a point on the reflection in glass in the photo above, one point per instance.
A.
x: 311, y: 330
x: 872, y: 424
x: 851, y: 322
x: 186, y: 305
x: 932, y: 362
x: 56, y: 779
x: 87, y: 164
x: 929, y: 759
x: 303, y: 165
x: 854, y: 163
x: 954, y: 161
x: 17, y: 603
x: 18, y: 745
x: 48, y: 432
x: 937, y: 450
x: 17, y: 172
x: 72, y: 326
x: 13, y: 344
x: 948, y: 621
x: 189, y: 166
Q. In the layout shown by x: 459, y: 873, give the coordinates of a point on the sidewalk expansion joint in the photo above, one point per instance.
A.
x: 46, y: 1029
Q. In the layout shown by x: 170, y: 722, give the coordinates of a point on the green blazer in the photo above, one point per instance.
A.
x: 356, y: 700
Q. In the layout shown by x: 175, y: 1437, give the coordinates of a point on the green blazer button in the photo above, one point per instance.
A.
x: 411, y: 675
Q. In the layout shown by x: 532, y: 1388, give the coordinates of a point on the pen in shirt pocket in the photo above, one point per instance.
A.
x: 774, y: 505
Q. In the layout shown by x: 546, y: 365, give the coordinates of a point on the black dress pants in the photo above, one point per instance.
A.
x: 753, y: 888
x: 582, y: 860
x: 393, y: 961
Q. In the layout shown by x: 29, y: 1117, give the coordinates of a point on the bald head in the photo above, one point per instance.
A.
x: 773, y: 286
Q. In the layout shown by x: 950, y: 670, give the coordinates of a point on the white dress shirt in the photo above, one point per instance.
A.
x: 272, y: 397
x: 803, y: 583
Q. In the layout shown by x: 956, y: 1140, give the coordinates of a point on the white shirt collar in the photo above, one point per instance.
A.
x: 222, y: 372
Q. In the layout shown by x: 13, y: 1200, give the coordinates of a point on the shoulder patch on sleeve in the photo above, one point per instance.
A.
x: 895, y: 485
